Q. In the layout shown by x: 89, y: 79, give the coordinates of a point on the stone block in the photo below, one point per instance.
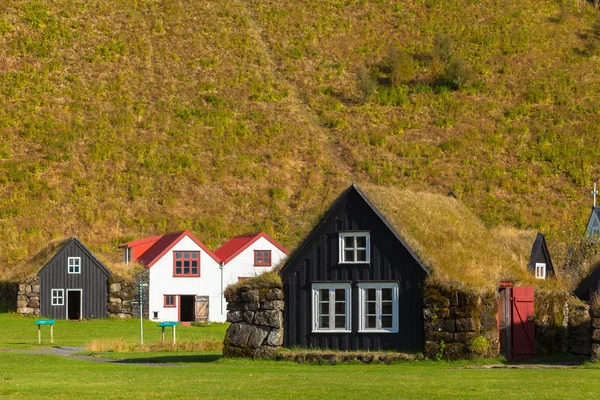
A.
x: 273, y: 294
x: 116, y: 300
x: 251, y: 306
x: 115, y: 287
x: 251, y: 296
x: 427, y: 314
x: 450, y: 325
x: 454, y: 351
x: 22, y: 287
x: 434, y: 325
x: 436, y: 301
x: 272, y: 305
x: 596, y: 335
x: 234, y: 316
x: 488, y: 321
x: 464, y: 337
x: 34, y: 298
x: 22, y: 297
x: 239, y: 333
x: 21, y: 303
x: 35, y: 288
x: 235, y: 306
x: 596, y: 323
x: 25, y: 310
x: 431, y: 348
x: 257, y: 336
x: 270, y: 318
x: 27, y: 288
x: 33, y: 303
x: 123, y: 315
x: 596, y: 352
x: 248, y: 316
x: 275, y: 337
x: 437, y: 336
x: 114, y: 308
x: 263, y: 352
x: 466, y: 325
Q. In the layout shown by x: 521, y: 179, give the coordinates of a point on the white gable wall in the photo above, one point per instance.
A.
x: 592, y: 223
x: 243, y: 264
x: 162, y: 282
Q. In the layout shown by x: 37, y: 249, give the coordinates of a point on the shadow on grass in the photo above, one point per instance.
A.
x: 196, y: 358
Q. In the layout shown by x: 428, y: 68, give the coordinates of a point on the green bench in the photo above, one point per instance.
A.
x: 172, y: 324
x: 39, y: 324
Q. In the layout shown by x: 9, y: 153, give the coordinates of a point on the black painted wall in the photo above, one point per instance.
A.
x: 317, y: 260
x: 540, y: 254
x: 93, y: 280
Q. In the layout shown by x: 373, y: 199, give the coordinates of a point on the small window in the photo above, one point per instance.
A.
x: 596, y: 232
x: 155, y: 313
x: 262, y: 258
x: 186, y: 263
x: 74, y: 264
x: 331, y: 307
x: 58, y: 297
x: 170, y: 300
x: 378, y: 307
x: 354, y: 247
x: 540, y: 270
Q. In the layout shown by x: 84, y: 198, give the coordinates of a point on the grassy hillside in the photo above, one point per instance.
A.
x: 123, y: 119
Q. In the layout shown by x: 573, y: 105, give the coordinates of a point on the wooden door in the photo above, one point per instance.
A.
x: 202, y: 308
x: 523, y: 326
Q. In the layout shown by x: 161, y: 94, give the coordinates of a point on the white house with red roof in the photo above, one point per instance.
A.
x: 246, y: 256
x: 187, y: 280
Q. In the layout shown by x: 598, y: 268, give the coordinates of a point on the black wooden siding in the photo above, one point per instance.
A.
x: 317, y: 261
x: 540, y: 254
x: 93, y: 280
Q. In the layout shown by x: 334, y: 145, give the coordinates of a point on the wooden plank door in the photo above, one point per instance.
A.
x: 201, y: 308
x: 523, y: 326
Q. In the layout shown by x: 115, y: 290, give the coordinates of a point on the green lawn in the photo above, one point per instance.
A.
x: 207, y: 375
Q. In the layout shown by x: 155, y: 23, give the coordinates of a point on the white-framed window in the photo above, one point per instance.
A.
x: 378, y: 307
x: 355, y: 247
x: 331, y: 307
x: 58, y: 297
x: 596, y: 232
x: 74, y: 264
x: 540, y: 270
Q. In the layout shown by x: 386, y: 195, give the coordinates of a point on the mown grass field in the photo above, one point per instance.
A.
x: 124, y: 119
x: 207, y: 375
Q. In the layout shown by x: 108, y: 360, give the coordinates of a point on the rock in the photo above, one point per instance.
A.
x: 239, y: 333
x: 450, y: 325
x: 431, y: 348
x: 22, y: 287
x: 21, y: 303
x: 28, y: 289
x: 434, y: 325
x: 596, y: 335
x: 25, y: 310
x: 251, y: 296
x: 466, y: 325
x: 263, y: 352
x: 123, y: 315
x: 234, y: 316
x: 248, y: 316
x: 269, y: 318
x: 427, y: 314
x: 234, y: 306
x: 596, y: 323
x: 595, y: 352
x: 115, y: 287
x: 464, y: 337
x: 275, y: 337
x: 436, y: 302
x: 272, y: 305
x: 273, y: 294
x: 35, y: 288
x: 251, y: 306
x: 114, y: 308
x: 33, y: 304
x: 454, y: 351
x: 115, y: 300
x: 437, y: 336
x: 257, y: 336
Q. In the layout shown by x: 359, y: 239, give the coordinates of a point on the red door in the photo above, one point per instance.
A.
x: 523, y: 326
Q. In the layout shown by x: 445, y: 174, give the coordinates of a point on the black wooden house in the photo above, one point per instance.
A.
x: 74, y: 284
x: 540, y: 263
x: 354, y: 283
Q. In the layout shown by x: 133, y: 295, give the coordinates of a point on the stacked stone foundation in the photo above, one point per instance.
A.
x: 28, y: 298
x: 459, y: 324
x: 595, y: 334
x: 256, y: 317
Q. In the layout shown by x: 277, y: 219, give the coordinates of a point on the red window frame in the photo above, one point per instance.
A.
x: 180, y: 257
x: 166, y: 303
x: 260, y: 260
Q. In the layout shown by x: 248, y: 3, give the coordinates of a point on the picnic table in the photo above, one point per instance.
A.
x: 172, y: 325
x: 39, y: 324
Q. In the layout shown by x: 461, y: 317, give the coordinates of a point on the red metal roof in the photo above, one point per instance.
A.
x: 236, y: 245
x: 141, y: 241
x: 166, y: 243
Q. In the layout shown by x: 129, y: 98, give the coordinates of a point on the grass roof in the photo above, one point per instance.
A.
x: 454, y: 243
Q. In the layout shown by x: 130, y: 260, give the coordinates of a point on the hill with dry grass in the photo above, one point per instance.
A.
x: 124, y: 119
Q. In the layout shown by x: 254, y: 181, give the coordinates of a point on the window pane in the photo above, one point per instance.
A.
x: 324, y: 321
x: 267, y: 261
x: 361, y: 242
x: 323, y: 294
x: 386, y: 321
x: 371, y: 322
x: 186, y: 255
x: 323, y: 308
x: 386, y: 307
x: 340, y: 321
x: 194, y: 263
x: 186, y: 270
x: 386, y: 294
x: 361, y: 255
x: 349, y: 255
x: 371, y: 294
x: 340, y: 307
x: 177, y: 255
x: 194, y: 271
x: 340, y: 294
x: 194, y: 255
x: 371, y: 308
x: 178, y: 271
x: 349, y: 242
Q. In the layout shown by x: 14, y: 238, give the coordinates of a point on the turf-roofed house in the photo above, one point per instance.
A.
x: 392, y: 269
x: 73, y: 284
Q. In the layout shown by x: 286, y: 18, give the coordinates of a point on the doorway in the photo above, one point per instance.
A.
x: 516, y: 325
x: 504, y: 323
x: 74, y: 304
x: 186, y: 308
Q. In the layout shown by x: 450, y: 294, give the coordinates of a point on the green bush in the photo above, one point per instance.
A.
x: 459, y: 73
x: 479, y: 346
x: 365, y: 82
x: 401, y: 66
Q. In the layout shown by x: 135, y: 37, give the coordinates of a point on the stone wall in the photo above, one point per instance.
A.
x: 28, y: 298
x: 119, y: 298
x: 256, y: 317
x: 459, y: 324
x: 595, y: 331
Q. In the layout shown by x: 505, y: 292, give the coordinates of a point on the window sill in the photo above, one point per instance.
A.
x: 186, y: 276
x: 355, y: 262
x: 332, y: 331
x: 378, y: 331
x: 262, y: 265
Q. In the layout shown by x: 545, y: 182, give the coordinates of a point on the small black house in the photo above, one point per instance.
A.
x: 540, y: 264
x: 354, y: 283
x: 74, y: 284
